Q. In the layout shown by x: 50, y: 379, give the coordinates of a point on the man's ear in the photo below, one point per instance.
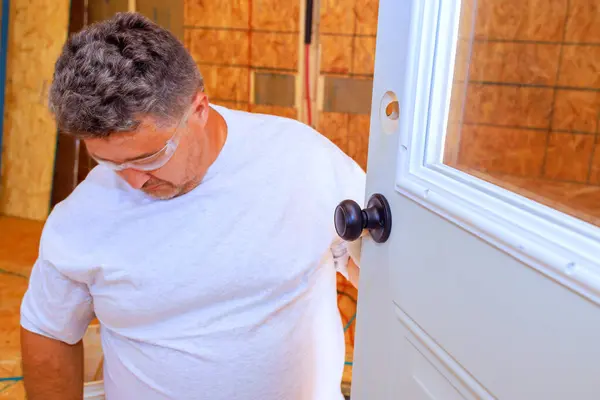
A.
x: 200, y: 107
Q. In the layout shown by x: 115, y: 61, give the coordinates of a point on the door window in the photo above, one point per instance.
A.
x: 525, y: 101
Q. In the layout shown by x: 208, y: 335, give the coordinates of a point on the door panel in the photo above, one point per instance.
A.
x: 426, y: 369
x: 515, y: 330
x: 424, y: 381
x: 483, y: 290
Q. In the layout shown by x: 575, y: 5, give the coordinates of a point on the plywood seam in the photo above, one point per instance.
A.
x: 555, y: 92
x: 534, y: 86
x: 346, y: 75
x: 245, y: 66
x: 540, y: 42
x: 341, y: 34
x: 354, y: 28
x: 529, y: 128
x: 233, y: 29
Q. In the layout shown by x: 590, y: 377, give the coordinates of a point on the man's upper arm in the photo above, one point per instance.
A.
x: 54, y: 305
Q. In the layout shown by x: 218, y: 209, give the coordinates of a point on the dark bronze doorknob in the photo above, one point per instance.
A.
x: 350, y: 220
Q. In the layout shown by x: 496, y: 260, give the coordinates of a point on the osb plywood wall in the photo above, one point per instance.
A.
x: 37, y: 31
x: 231, y: 39
x: 347, y: 38
x: 532, y: 103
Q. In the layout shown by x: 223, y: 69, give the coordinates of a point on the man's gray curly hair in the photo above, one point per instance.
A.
x: 115, y: 72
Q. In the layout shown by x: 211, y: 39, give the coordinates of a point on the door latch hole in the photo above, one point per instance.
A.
x: 389, y: 112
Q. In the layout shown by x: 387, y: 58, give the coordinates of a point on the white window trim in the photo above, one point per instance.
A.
x: 560, y: 246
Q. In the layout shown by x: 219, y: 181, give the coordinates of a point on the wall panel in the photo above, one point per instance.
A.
x: 37, y: 32
x: 216, y: 13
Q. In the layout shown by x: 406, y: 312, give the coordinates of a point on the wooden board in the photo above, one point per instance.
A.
x: 37, y: 32
x: 216, y: 13
x: 275, y: 15
x: 99, y: 10
x: 347, y: 53
x: 231, y: 40
x: 338, y: 16
x: 169, y: 14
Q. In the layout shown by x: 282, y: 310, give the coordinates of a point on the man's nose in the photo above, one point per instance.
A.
x: 135, y: 179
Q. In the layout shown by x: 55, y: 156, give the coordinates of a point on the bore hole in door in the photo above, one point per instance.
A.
x: 392, y: 110
x: 389, y: 112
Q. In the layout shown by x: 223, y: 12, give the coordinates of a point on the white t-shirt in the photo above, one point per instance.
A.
x: 226, y: 292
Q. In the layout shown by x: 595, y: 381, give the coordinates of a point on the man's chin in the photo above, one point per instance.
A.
x: 161, y: 193
x: 167, y: 191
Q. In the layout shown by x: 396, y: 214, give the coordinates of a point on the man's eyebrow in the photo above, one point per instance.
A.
x: 129, y: 159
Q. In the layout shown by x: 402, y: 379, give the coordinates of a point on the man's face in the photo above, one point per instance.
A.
x: 180, y: 174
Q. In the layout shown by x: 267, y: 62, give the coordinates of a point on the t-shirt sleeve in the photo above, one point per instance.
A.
x: 350, y: 180
x: 54, y: 305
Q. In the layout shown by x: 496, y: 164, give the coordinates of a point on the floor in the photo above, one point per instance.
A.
x: 19, y: 241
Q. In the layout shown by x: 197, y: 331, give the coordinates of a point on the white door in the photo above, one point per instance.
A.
x: 480, y: 292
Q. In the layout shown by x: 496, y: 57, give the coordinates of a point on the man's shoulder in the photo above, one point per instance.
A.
x: 84, y: 209
x: 310, y: 154
x: 299, y: 138
x: 280, y: 137
x: 93, y: 193
x: 268, y: 124
x: 297, y: 152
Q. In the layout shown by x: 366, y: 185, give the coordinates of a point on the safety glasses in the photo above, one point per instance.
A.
x: 153, y: 161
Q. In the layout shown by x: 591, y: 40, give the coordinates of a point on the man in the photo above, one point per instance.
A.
x: 203, y: 241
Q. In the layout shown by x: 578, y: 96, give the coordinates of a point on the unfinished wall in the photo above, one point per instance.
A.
x: 347, y: 33
x: 532, y: 101
x: 347, y: 39
x: 37, y: 31
x: 232, y: 40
